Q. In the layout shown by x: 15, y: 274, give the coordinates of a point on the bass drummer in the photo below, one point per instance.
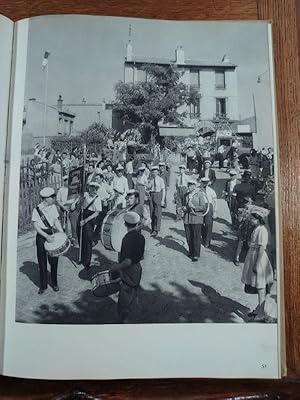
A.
x: 133, y: 204
x: 45, y: 220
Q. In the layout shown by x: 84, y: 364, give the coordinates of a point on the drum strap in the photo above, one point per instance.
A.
x: 43, y: 218
x: 91, y: 203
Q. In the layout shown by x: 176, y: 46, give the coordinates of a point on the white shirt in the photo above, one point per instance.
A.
x: 142, y: 180
x: 158, y: 185
x: 62, y: 195
x: 96, y: 206
x: 105, y: 191
x: 50, y: 213
x: 181, y: 180
x: 129, y: 168
x: 232, y: 185
x: 120, y: 184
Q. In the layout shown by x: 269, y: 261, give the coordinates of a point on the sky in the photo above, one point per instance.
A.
x: 87, y: 55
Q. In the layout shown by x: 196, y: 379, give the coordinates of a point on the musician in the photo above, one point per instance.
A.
x: 181, y: 190
x: 208, y: 219
x: 45, y: 220
x: 120, y: 186
x: 195, y: 204
x: 129, y: 266
x: 133, y: 204
x: 207, y: 172
x: 106, y: 195
x: 228, y: 192
x: 157, y: 191
x: 90, y: 208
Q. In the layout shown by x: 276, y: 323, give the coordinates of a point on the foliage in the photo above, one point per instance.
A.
x: 146, y: 104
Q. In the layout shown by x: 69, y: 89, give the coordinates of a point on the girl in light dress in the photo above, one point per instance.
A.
x: 258, y: 273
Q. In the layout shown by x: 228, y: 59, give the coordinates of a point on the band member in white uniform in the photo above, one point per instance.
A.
x: 45, y: 220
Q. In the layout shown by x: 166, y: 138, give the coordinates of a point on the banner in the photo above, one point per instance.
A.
x: 75, y: 182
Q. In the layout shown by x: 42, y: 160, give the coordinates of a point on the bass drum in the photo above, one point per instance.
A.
x: 113, y: 230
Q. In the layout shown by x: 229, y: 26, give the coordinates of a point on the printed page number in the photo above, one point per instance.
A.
x: 263, y: 366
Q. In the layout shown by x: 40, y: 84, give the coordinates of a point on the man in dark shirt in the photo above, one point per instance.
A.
x: 129, y: 267
x: 244, y: 189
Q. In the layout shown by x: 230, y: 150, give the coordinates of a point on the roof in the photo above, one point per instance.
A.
x: 190, y: 63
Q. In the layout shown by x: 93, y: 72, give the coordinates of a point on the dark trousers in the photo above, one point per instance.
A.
x: 42, y: 260
x: 142, y: 191
x: 73, y: 215
x: 199, y: 165
x: 88, y: 236
x: 221, y: 160
x: 155, y: 210
x: 130, y: 181
x: 207, y: 226
x: 99, y: 220
x: 193, y: 238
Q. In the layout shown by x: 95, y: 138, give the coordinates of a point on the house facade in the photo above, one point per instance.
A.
x: 214, y: 84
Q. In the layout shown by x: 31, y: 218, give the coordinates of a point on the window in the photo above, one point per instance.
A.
x: 195, y: 78
x: 195, y: 108
x: 221, y: 107
x: 141, y: 75
x: 220, y: 79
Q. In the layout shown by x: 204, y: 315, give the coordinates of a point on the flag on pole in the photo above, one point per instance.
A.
x: 45, y: 60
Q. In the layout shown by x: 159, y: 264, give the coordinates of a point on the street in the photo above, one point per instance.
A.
x: 173, y: 288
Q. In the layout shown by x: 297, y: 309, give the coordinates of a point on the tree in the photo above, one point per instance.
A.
x: 145, y: 104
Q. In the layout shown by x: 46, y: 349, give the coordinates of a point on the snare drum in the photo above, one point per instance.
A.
x: 105, y: 283
x: 113, y: 230
x: 59, y: 246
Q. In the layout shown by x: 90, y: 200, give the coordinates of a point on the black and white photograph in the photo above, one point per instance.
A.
x: 148, y: 173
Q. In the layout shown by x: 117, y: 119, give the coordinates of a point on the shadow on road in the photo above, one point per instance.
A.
x: 225, y: 245
x: 178, y: 231
x: 31, y: 270
x: 154, y: 306
x: 170, y: 243
x: 220, y: 304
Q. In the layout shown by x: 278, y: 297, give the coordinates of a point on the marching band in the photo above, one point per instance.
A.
x: 136, y: 197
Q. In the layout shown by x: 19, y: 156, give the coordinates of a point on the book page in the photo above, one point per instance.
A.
x: 144, y: 172
x: 6, y: 41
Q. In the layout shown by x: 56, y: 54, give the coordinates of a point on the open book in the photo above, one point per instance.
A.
x: 140, y: 211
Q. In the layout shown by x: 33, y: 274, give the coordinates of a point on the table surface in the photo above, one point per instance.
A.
x: 286, y: 55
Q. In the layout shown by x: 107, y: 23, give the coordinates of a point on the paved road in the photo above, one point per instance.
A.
x: 173, y: 289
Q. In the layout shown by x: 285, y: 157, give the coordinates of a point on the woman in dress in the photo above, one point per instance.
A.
x: 258, y: 273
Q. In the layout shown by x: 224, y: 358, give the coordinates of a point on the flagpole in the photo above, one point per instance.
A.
x: 81, y: 217
x: 45, y: 101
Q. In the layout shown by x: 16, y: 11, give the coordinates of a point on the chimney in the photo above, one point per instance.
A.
x: 179, y: 55
x: 59, y: 102
x: 129, y: 51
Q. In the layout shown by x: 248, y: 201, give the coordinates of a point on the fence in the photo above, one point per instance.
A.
x: 32, y: 180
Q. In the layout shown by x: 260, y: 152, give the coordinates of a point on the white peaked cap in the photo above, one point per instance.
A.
x: 132, y: 218
x: 47, y: 192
